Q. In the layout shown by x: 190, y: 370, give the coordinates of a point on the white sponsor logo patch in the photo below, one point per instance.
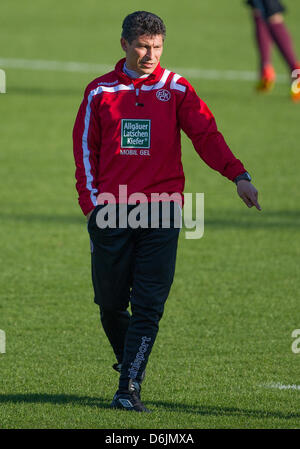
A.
x: 163, y: 95
x: 135, y: 133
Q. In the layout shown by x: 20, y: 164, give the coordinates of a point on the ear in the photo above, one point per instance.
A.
x: 124, y: 44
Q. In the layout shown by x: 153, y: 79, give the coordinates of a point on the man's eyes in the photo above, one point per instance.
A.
x: 145, y: 46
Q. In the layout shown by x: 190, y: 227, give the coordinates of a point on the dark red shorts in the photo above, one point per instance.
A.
x: 267, y: 7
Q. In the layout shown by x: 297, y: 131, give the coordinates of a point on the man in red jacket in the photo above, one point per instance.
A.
x: 127, y: 149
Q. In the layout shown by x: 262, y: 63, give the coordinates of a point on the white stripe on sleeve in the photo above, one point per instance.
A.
x: 174, y: 84
x: 85, y: 147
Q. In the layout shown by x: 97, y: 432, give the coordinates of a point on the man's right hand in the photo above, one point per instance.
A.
x: 248, y: 193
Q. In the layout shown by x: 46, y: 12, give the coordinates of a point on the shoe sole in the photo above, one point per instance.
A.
x: 118, y: 406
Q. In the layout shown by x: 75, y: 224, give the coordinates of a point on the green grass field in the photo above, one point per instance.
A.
x: 225, y: 338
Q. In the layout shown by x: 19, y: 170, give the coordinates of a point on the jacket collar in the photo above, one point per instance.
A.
x: 153, y: 78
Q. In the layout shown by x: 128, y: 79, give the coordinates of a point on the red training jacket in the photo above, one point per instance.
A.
x: 127, y: 132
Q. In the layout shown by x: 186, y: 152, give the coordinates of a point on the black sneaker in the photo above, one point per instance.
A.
x: 129, y: 400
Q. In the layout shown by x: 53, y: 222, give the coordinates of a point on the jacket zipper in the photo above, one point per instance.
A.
x: 137, y: 93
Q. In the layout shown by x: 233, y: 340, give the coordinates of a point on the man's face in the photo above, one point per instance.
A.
x: 143, y: 54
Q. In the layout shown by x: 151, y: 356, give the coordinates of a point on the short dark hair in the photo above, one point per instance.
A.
x: 142, y: 22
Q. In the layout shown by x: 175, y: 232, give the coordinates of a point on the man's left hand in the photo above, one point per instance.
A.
x: 248, y: 193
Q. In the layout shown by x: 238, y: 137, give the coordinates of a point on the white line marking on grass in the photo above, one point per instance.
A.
x: 85, y: 67
x: 40, y: 64
x: 280, y: 386
x: 2, y: 341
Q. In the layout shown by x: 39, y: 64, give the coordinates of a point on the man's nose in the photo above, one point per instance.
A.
x: 150, y: 53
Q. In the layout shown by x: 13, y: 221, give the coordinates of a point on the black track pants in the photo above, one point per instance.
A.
x: 133, y: 266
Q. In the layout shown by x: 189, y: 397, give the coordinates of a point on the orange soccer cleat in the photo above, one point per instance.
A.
x: 267, y: 81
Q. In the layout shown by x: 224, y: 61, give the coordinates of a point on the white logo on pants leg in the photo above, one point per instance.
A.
x: 139, y: 358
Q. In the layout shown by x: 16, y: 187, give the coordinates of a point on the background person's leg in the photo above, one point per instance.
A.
x: 283, y: 39
x: 263, y: 39
x: 269, y: 23
x: 263, y: 42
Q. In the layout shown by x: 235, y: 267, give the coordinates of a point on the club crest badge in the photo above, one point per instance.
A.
x: 163, y: 95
